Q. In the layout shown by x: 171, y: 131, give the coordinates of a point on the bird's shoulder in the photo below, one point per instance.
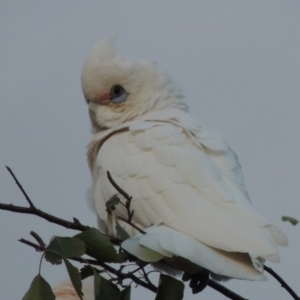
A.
x: 167, y: 151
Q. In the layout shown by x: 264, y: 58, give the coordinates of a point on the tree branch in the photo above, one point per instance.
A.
x: 75, y: 225
x: 130, y: 275
x: 121, y: 191
x: 224, y: 291
x: 282, y: 282
x: 20, y: 186
x: 133, y: 225
x: 35, y: 246
x: 127, y: 205
x: 105, y: 266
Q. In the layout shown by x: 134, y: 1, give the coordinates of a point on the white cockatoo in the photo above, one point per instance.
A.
x: 188, y: 191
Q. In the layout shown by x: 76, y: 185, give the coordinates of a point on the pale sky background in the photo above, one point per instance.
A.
x: 238, y: 63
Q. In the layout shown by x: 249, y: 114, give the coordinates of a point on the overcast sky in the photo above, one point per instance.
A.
x: 238, y: 63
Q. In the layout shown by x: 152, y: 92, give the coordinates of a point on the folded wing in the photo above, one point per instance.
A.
x: 185, y: 179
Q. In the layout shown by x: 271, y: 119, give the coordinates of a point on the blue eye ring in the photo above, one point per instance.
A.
x: 117, y: 94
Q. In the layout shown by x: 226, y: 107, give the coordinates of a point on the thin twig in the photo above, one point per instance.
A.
x: 133, y: 225
x: 76, y: 225
x: 282, y: 282
x: 127, y: 205
x: 136, y: 270
x: 138, y: 281
x: 146, y: 275
x: 20, y: 186
x: 122, y: 192
x: 224, y: 291
x: 50, y: 218
x: 38, y: 248
x: 125, y: 195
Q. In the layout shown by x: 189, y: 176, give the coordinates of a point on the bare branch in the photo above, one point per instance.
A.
x: 133, y: 225
x: 35, y: 246
x: 20, y: 186
x: 224, y: 291
x: 146, y: 275
x: 50, y: 218
x: 127, y: 205
x: 76, y: 225
x: 121, y: 191
x: 282, y: 282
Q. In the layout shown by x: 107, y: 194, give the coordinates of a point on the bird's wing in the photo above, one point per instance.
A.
x: 186, y: 181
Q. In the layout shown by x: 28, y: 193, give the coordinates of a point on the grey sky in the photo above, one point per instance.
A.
x: 238, y: 63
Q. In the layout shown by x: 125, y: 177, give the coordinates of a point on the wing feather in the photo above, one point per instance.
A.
x: 186, y: 178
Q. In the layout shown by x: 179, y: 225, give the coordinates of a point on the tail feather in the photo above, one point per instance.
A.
x: 169, y: 242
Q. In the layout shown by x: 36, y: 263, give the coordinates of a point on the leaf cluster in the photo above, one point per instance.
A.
x: 91, y: 244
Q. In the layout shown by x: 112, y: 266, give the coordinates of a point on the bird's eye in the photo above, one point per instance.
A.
x: 117, y: 94
x: 117, y: 90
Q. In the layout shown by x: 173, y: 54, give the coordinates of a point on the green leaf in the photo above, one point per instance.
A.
x: 108, y: 290
x: 98, y: 246
x: 86, y: 272
x: 169, y: 288
x: 75, y: 277
x: 111, y: 203
x: 39, y: 290
x: 38, y: 239
x: 66, y: 247
x: 97, y: 284
x: 125, y: 294
x: 122, y: 233
x: 290, y: 219
x: 104, y: 289
x: 53, y: 258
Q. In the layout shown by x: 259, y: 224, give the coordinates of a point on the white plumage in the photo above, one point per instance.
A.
x: 187, y: 186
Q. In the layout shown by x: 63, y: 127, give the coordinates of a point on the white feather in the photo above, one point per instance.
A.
x: 171, y: 243
x: 143, y: 253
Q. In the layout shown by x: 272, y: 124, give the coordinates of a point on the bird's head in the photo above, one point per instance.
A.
x: 118, y: 89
